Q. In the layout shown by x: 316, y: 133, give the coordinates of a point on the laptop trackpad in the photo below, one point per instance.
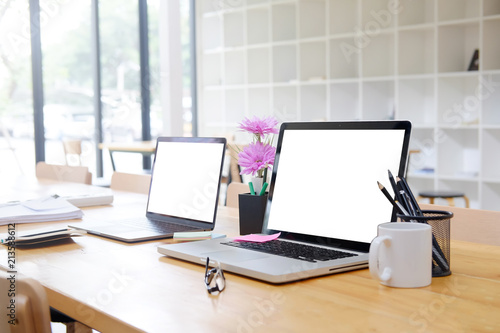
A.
x: 232, y: 256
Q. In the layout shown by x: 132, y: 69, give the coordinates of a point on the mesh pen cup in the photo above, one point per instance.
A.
x: 439, y: 220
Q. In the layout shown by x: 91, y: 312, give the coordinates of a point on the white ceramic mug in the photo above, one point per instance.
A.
x: 401, y: 255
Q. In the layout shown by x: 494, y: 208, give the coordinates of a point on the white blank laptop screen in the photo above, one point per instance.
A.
x: 186, y: 187
x: 326, y: 182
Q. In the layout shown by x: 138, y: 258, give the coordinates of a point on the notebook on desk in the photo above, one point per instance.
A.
x: 183, y: 195
x: 323, y: 194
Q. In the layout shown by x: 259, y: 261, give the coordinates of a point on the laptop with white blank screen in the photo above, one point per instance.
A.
x: 183, y: 195
x: 324, y: 194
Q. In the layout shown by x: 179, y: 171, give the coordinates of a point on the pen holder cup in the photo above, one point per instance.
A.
x: 252, y: 209
x: 439, y: 220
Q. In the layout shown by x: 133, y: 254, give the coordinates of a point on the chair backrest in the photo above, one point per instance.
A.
x: 233, y: 190
x: 73, y: 147
x: 66, y: 173
x: 472, y: 225
x: 130, y: 182
x: 234, y: 168
x: 26, y: 305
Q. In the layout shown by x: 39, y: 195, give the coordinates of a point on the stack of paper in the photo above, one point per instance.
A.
x: 39, y: 210
x: 39, y: 236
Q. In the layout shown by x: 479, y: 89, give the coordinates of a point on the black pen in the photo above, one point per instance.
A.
x: 411, y: 208
x: 404, y: 201
x: 406, y: 188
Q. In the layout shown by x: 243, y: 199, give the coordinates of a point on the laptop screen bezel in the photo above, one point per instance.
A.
x: 342, y: 125
x: 183, y: 220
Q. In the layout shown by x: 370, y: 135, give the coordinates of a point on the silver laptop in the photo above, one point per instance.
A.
x: 323, y: 194
x: 183, y: 194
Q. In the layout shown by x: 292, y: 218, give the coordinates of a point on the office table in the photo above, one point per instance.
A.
x: 146, y: 148
x: 117, y: 287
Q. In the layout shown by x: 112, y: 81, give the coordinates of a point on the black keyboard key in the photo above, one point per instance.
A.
x: 164, y: 227
x: 293, y: 250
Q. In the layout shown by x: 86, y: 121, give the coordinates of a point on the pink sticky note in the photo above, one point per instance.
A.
x: 257, y: 238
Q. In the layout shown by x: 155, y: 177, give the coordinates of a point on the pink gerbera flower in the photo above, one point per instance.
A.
x: 256, y: 157
x: 259, y: 127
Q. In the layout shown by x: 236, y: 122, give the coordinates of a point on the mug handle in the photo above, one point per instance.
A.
x: 373, y: 259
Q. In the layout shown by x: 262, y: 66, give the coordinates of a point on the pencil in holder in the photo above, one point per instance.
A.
x: 439, y: 220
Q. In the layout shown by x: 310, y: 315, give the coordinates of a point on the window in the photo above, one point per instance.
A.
x: 68, y: 78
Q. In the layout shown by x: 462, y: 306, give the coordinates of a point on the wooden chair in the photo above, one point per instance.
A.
x: 138, y: 183
x: 73, y: 148
x: 66, y: 173
x: 31, y: 313
x: 233, y: 190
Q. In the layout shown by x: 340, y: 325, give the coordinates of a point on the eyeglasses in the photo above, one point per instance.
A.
x: 214, y: 278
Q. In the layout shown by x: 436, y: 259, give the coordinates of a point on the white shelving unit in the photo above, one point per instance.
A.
x: 307, y: 60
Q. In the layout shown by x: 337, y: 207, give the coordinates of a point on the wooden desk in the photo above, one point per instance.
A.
x: 117, y: 287
x: 146, y: 148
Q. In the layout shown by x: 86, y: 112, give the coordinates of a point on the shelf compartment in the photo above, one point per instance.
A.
x: 312, y: 18
x: 491, y: 7
x: 490, y: 54
x: 213, y: 102
x: 259, y: 102
x: 344, y: 101
x: 233, y: 29
x: 212, y: 33
x: 344, y: 59
x: 416, y: 12
x: 258, y: 26
x: 234, y: 67
x: 490, y: 196
x: 490, y: 148
x: 450, y: 10
x: 458, y: 153
x: 284, y: 22
x: 343, y: 16
x: 285, y: 103
x: 378, y: 100
x: 378, y: 14
x: 470, y: 189
x: 313, y: 103
x: 490, y: 96
x: 419, y: 184
x: 416, y: 52
x: 256, y: 2
x: 212, y: 69
x: 416, y: 101
x: 458, y: 103
x: 313, y: 61
x: 424, y: 162
x: 258, y: 65
x: 284, y: 63
x: 378, y: 56
x: 235, y: 105
x: 456, y: 46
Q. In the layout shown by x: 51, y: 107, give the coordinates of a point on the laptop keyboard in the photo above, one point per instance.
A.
x: 162, y: 227
x: 293, y: 250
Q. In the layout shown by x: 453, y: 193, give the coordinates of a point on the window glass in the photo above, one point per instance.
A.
x: 67, y: 80
x: 187, y: 74
x: 17, y: 150
x: 154, y: 67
